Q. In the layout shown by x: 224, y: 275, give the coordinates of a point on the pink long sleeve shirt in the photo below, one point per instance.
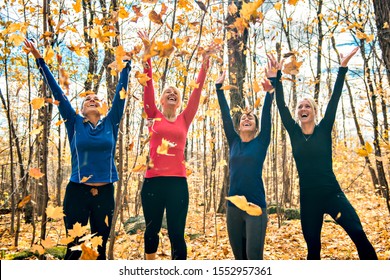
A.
x: 170, y: 162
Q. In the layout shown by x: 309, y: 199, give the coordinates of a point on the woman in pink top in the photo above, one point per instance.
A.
x: 165, y: 184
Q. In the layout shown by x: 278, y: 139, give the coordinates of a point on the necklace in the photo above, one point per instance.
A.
x: 306, y: 137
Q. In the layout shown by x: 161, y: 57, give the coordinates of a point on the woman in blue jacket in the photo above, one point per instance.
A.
x: 90, y: 192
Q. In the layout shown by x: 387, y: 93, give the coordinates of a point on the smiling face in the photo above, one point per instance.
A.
x: 248, y: 123
x: 91, y: 104
x: 306, y: 111
x: 170, y: 98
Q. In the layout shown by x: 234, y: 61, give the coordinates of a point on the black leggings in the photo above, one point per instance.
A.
x: 338, y: 207
x: 83, y: 203
x: 170, y: 193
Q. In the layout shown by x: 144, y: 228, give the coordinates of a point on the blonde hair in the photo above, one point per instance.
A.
x: 176, y: 90
x: 313, y: 105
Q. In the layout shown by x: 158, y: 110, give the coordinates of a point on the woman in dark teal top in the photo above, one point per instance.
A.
x: 247, y: 155
x: 90, y: 192
x: 320, y: 192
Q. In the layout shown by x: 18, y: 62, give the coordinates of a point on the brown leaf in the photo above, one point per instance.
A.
x: 202, y: 6
x: 24, y: 201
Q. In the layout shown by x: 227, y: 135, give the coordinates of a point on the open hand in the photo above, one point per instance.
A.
x: 273, y: 66
x: 345, y: 59
x: 221, y: 78
x: 30, y: 47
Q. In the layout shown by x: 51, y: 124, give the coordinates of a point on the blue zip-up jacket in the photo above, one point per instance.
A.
x: 92, y: 148
x: 247, y: 158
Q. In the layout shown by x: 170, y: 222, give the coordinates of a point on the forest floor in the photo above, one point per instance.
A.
x: 207, y: 236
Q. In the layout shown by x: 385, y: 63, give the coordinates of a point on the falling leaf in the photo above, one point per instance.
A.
x: 365, y: 151
x: 338, y: 216
x: 257, y: 103
x: 77, y: 6
x: 142, y: 78
x: 48, y: 55
x: 106, y: 220
x: 16, y: 39
x: 96, y: 241
x: 232, y: 8
x: 85, y: 179
x: 278, y: 6
x: 249, y: 10
x: 292, y: 2
x: 88, y: 253
x: 122, y: 93
x: 38, y: 248
x: 122, y: 13
x: 58, y: 123
x: 156, y: 18
x: 66, y: 240
x: 38, y: 103
x: 139, y: 168
x: 202, y: 6
x: 24, y: 201
x: 37, y: 130
x: 103, y: 109
x: 386, y: 25
x: 35, y: 173
x: 86, y: 93
x: 77, y: 230
x: 55, y: 212
x: 228, y: 87
x: 193, y: 84
x: 47, y: 244
x: 241, y: 202
x: 256, y: 86
x: 292, y: 66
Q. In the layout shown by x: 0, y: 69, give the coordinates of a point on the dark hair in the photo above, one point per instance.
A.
x: 239, y: 115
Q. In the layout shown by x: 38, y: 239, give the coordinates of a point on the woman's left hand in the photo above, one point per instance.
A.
x: 221, y: 78
x: 213, y: 48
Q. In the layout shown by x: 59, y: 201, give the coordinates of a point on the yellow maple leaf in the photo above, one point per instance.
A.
x: 38, y: 248
x: 24, y: 201
x: 142, y: 78
x: 16, y: 39
x: 88, y: 253
x: 96, y: 241
x: 122, y: 13
x: 364, y: 151
x: 77, y: 6
x: 47, y: 244
x: 164, y: 49
x: 278, y: 6
x: 139, y: 168
x: 241, y: 202
x: 292, y: 2
x: 257, y: 103
x: 122, y: 93
x: 38, y: 103
x: 103, y: 109
x: 37, y: 130
x: 66, y: 240
x: 55, y: 212
x: 85, y: 179
x: 77, y: 230
x: 292, y: 66
x: 193, y: 84
x: 249, y: 10
x: 35, y: 173
x: 48, y: 55
x: 228, y: 87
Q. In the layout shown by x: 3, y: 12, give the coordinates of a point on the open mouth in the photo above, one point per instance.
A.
x: 303, y: 116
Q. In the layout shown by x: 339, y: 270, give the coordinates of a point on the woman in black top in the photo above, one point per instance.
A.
x: 320, y: 192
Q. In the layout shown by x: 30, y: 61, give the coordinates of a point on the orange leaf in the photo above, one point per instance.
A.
x: 24, y: 201
x: 139, y: 168
x: 142, y: 78
x: 38, y: 248
x: 35, y: 173
x: 88, y: 253
x: 47, y: 244
x: 241, y: 202
x: 38, y: 103
x: 85, y: 179
x: 55, y: 212
x: 106, y: 220
x: 292, y: 2
x: 156, y: 18
x: 163, y: 148
x: 77, y: 6
x: 59, y: 122
x: 257, y: 103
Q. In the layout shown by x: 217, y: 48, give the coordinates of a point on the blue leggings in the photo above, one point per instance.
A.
x: 246, y: 233
x: 313, y: 208
x: 80, y: 205
x: 158, y: 194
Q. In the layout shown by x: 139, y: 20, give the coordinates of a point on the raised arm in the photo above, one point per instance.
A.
x: 331, y: 109
x: 228, y: 126
x: 66, y: 110
x: 116, y: 112
x: 193, y: 102
x: 274, y: 74
x: 149, y: 98
x: 265, y: 132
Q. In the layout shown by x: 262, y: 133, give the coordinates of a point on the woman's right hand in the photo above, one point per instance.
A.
x: 31, y: 48
x: 221, y: 78
x: 145, y: 40
x: 273, y: 66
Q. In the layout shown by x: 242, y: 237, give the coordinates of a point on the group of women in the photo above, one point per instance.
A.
x: 92, y: 141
